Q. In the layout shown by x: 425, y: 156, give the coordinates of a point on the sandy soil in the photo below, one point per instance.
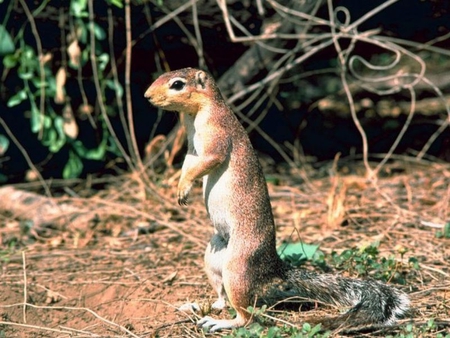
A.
x: 124, y: 273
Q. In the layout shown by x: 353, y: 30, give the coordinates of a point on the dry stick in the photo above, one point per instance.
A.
x: 81, y: 331
x: 349, y: 96
x: 419, y: 77
x: 368, y: 15
x: 50, y: 291
x: 357, y: 37
x: 420, y: 46
x: 265, y: 36
x: 93, y: 58
x: 258, y: 91
x: 34, y: 327
x: 379, y: 41
x: 136, y: 155
x: 170, y: 16
x: 26, y: 157
x: 159, y: 55
x: 25, y: 293
x: 442, y: 127
x: 42, y: 98
x: 254, y: 38
x: 402, y: 131
x: 95, y: 314
x: 192, y: 39
x: 146, y: 215
x: 84, y: 98
x: 41, y: 60
x: 118, y: 97
x: 343, y: 57
x: 281, y: 71
x: 310, y: 18
x: 198, y: 35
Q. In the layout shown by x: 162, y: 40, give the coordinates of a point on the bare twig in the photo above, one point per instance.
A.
x: 129, y: 101
x: 30, y: 17
x: 72, y: 308
x: 125, y: 127
x: 25, y: 292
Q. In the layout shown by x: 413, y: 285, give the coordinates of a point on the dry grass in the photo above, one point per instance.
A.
x: 125, y: 273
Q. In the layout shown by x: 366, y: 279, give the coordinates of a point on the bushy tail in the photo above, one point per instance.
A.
x: 371, y: 302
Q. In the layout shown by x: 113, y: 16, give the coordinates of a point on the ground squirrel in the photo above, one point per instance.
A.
x: 241, y: 256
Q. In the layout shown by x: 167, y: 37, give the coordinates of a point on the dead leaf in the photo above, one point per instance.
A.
x: 74, y: 53
x: 169, y: 279
x: 31, y: 175
x: 70, y: 126
x: 60, y: 78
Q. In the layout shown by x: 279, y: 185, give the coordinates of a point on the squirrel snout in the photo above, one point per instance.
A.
x: 148, y: 94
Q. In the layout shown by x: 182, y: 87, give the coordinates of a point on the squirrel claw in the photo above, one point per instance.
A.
x: 182, y: 201
x: 214, y: 325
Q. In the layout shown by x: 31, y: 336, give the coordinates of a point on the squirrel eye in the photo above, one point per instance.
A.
x: 177, y: 85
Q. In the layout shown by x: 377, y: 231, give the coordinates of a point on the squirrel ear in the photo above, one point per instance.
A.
x: 200, y: 79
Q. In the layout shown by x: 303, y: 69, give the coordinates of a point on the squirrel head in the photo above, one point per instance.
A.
x: 186, y: 90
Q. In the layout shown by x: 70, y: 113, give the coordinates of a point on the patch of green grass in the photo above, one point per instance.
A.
x: 445, y: 232
x: 366, y: 262
x: 429, y: 329
x: 259, y: 330
x: 298, y: 253
x: 8, y: 251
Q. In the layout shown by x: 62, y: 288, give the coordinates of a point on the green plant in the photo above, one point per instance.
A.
x: 428, y: 329
x: 44, y: 90
x: 298, y: 253
x: 8, y: 251
x: 256, y: 330
x: 366, y: 262
x: 445, y: 232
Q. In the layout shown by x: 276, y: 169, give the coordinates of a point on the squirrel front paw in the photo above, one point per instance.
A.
x: 183, y: 192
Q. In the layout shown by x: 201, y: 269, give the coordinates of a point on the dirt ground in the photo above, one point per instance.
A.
x: 125, y: 271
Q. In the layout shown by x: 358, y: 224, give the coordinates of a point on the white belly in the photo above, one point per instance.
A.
x: 217, y: 193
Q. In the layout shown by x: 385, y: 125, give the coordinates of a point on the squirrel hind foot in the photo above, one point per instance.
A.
x: 220, y: 324
x: 219, y: 304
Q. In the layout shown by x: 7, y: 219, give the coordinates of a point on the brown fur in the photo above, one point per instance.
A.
x: 241, y: 256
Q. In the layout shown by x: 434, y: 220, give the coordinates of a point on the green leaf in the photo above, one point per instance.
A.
x: 4, y: 144
x: 117, y: 3
x: 103, y: 60
x: 90, y: 154
x: 316, y: 329
x: 49, y: 137
x: 3, y: 178
x: 59, y: 142
x: 6, y: 42
x: 78, y: 8
x: 17, y: 98
x: 299, y: 248
x: 99, y: 32
x: 25, y: 73
x: 306, y: 327
x: 97, y: 153
x: 112, y: 146
x: 29, y: 55
x: 36, y: 120
x: 10, y: 61
x: 117, y: 88
x: 446, y: 231
x: 83, y: 32
x: 73, y: 167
